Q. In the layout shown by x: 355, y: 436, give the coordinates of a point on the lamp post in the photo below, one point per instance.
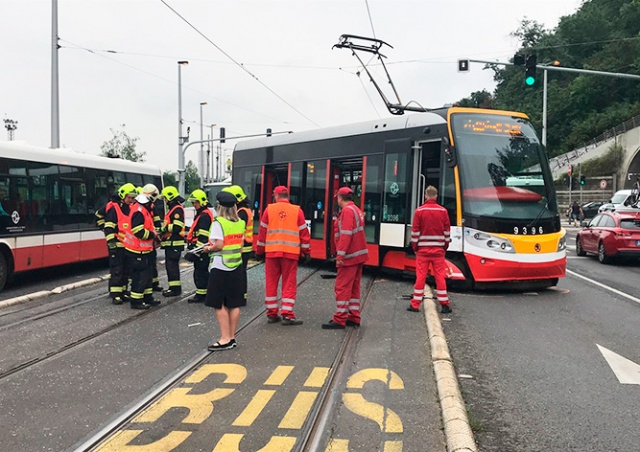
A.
x: 11, y: 126
x: 214, y: 169
x: 201, y: 166
x: 181, y: 139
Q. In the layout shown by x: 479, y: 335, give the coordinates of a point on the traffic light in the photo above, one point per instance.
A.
x: 530, y: 70
x: 222, y: 135
x: 463, y: 65
x: 581, y: 180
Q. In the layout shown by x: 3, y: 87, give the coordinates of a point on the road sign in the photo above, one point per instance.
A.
x: 569, y: 170
x: 603, y: 184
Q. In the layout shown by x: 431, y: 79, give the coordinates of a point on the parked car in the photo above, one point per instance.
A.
x: 590, y: 209
x: 610, y: 235
x: 620, y: 199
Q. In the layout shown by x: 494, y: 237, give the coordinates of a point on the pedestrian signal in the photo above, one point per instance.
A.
x: 581, y: 180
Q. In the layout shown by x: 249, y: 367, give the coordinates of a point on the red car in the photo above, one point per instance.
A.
x: 609, y: 235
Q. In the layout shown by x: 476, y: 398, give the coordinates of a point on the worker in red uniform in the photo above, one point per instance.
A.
x: 430, y: 238
x: 283, y: 239
x: 351, y: 254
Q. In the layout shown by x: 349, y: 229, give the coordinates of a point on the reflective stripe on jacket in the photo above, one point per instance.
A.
x: 139, y: 238
x: 283, y: 231
x: 350, y: 239
x: 199, y: 232
x: 248, y: 233
x: 431, y: 229
x: 174, y: 228
x: 231, y: 251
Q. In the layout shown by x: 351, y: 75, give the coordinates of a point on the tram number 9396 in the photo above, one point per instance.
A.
x: 527, y: 230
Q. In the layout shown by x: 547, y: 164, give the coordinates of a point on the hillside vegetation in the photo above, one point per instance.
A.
x: 603, y: 35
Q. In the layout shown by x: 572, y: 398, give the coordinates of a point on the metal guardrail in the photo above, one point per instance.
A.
x: 565, y: 159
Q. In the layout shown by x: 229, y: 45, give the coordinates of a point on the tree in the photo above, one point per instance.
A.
x: 479, y: 99
x: 122, y: 146
x: 170, y: 178
x: 191, y: 179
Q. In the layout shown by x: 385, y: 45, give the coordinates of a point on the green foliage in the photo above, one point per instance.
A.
x: 170, y: 178
x: 603, y: 164
x: 479, y: 99
x: 122, y: 146
x: 603, y: 36
x: 192, y: 179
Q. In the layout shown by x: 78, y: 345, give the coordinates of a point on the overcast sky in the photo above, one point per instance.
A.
x: 118, y: 63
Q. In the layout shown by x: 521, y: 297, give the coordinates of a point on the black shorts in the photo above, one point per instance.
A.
x: 226, y: 288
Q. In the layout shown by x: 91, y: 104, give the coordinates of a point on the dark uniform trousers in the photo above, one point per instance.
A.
x: 139, y: 267
x: 172, y: 263
x: 201, y: 273
x: 117, y: 280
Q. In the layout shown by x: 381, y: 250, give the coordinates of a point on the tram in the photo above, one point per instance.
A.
x: 491, y: 172
x: 48, y: 200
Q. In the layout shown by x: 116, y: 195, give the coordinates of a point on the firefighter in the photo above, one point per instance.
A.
x: 430, y: 237
x: 116, y: 222
x: 199, y: 236
x: 283, y: 239
x: 157, y: 211
x: 138, y: 243
x: 173, y: 239
x: 245, y: 214
x: 351, y: 254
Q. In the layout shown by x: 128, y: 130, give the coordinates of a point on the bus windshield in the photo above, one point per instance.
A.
x: 503, y: 169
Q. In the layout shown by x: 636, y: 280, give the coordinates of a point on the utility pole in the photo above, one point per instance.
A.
x: 55, y: 98
x: 580, y: 180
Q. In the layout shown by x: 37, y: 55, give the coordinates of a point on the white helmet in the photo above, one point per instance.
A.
x: 151, y: 191
x: 142, y: 199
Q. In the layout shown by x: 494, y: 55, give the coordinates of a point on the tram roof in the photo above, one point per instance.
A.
x: 360, y: 128
x: 21, y: 150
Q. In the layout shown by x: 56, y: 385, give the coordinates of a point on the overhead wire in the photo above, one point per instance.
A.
x: 238, y: 64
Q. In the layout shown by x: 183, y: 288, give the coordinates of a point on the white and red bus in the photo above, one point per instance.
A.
x: 490, y: 170
x: 48, y: 200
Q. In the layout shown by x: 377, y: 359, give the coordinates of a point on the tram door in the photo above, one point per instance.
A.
x: 272, y: 177
x: 345, y: 173
x: 426, y: 169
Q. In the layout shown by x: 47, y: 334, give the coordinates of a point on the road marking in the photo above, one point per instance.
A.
x: 604, y: 286
x: 255, y: 407
x: 627, y: 372
x: 297, y: 413
x: 279, y: 375
x: 317, y: 378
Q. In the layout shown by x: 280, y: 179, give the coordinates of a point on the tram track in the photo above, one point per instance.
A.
x: 316, y: 422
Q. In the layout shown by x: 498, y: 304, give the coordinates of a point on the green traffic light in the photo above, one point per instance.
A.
x: 530, y: 80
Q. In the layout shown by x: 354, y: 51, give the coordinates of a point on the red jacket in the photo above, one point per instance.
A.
x: 351, y: 242
x: 300, y: 227
x: 430, y: 233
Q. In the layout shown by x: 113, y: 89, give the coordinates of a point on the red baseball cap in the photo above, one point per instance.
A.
x: 344, y: 191
x: 280, y: 190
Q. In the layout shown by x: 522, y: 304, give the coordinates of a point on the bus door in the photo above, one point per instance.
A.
x: 344, y: 173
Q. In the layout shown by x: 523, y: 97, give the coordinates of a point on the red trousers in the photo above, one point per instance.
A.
x: 347, y: 291
x: 422, y: 264
x: 275, y: 268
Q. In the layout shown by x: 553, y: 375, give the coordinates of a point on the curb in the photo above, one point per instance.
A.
x: 46, y: 293
x: 457, y: 430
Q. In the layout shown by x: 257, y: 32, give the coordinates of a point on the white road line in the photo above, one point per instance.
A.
x: 604, y: 286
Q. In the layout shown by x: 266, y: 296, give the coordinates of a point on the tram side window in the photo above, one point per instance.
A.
x: 447, y: 193
x: 394, y: 208
x: 314, y: 207
x: 373, y: 197
x: 295, y: 185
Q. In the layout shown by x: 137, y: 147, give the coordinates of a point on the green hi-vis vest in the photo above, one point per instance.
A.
x: 231, y: 251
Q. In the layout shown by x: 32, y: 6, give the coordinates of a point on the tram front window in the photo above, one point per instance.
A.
x: 504, y: 171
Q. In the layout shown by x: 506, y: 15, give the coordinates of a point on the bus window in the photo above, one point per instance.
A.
x: 42, y: 177
x: 97, y: 191
x: 394, y: 208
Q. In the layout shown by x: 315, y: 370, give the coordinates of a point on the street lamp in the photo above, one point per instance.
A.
x: 11, y: 126
x: 201, y: 157
x: 181, y: 139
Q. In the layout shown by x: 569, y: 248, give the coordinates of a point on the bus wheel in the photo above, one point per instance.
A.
x: 4, y: 271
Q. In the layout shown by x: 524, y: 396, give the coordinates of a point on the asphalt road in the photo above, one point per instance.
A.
x: 532, y: 365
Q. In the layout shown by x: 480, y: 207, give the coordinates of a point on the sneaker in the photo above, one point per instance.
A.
x: 139, y: 305
x: 445, y: 309
x: 291, y: 321
x: 117, y: 300
x: 353, y: 324
x: 219, y: 346
x: 412, y: 309
x: 171, y: 293
x: 273, y: 318
x: 331, y: 325
x: 196, y: 299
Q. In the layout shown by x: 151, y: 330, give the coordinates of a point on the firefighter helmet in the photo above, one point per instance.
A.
x: 127, y: 189
x: 139, y: 190
x: 151, y: 192
x: 200, y: 196
x: 236, y: 190
x: 170, y: 193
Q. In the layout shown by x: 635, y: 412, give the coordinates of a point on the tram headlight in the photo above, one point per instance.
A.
x: 562, y: 244
x: 488, y: 241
